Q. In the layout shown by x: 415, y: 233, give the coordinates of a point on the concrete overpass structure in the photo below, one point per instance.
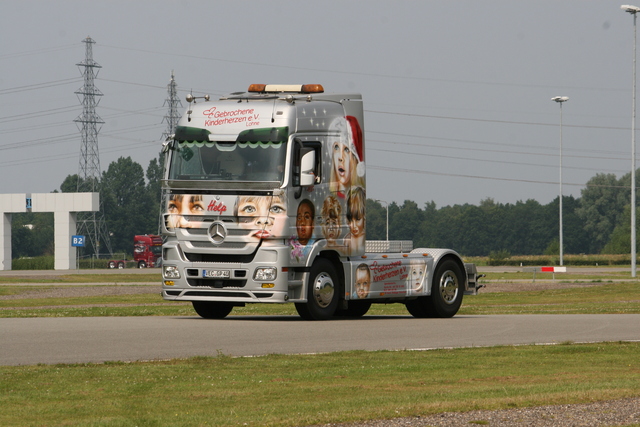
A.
x: 64, y: 206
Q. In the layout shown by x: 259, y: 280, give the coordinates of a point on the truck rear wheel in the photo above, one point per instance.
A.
x: 322, y: 292
x: 446, y: 293
x: 354, y: 309
x: 212, y: 309
x: 112, y: 264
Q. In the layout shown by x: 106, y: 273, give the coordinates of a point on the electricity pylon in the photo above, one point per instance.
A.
x: 91, y: 224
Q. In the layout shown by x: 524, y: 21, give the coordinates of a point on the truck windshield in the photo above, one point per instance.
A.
x: 256, y: 155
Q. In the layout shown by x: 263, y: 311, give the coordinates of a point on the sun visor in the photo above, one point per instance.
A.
x: 229, y: 137
x: 186, y: 133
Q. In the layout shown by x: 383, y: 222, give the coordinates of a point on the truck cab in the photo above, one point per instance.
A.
x: 265, y: 197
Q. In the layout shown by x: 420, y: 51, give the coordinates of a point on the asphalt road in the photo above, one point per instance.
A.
x: 99, y: 339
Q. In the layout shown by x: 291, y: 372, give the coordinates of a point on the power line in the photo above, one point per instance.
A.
x: 510, y: 122
x: 476, y: 142
x: 39, y: 51
x: 502, y: 152
x: 357, y: 73
x: 511, y: 163
x: 39, y: 141
x: 458, y: 175
x: 39, y: 86
x: 32, y: 114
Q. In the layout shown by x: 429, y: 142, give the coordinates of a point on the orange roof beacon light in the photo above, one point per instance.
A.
x: 257, y: 88
x: 262, y: 88
x: 312, y: 89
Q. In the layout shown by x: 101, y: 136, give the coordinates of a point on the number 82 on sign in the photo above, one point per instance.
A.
x: 77, y: 241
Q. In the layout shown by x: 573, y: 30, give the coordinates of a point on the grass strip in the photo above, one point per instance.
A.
x: 279, y: 390
x: 614, y: 298
x: 113, y: 278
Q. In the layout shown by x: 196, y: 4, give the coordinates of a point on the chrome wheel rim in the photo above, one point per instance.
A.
x: 323, y: 290
x: 449, y: 287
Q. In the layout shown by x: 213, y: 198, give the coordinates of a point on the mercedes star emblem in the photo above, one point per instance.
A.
x: 217, y: 232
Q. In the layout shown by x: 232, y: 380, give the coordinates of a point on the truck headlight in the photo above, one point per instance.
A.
x: 263, y: 274
x: 170, y: 272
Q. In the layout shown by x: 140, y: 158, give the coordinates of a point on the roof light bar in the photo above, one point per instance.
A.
x: 257, y: 88
x: 310, y: 88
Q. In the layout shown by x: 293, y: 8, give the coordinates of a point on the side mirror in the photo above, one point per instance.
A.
x: 166, y: 145
x: 307, y: 165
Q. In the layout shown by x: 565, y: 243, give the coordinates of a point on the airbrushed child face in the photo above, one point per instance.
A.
x: 342, y: 163
x: 304, y: 223
x: 356, y: 225
x: 363, y: 282
x: 331, y: 228
x: 414, y: 279
x: 181, y: 207
x: 265, y: 216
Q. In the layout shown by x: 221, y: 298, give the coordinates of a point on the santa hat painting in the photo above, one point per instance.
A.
x: 355, y: 139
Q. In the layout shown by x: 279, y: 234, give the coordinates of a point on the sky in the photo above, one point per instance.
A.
x: 457, y: 95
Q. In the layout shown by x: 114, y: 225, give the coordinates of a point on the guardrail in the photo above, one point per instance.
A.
x: 553, y: 270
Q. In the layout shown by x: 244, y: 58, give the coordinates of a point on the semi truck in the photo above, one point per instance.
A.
x: 147, y: 252
x: 265, y: 202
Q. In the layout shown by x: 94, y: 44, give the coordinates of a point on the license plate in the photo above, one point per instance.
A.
x: 224, y: 274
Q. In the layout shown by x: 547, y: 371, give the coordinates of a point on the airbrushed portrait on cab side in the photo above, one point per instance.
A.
x: 331, y: 211
x: 347, y: 156
x: 262, y: 216
x: 416, y: 276
x: 184, y: 211
x: 305, y: 222
x: 356, y: 210
x: 363, y: 281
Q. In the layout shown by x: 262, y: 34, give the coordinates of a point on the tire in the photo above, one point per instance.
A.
x: 354, y: 309
x: 142, y: 264
x: 446, y: 293
x: 420, y: 307
x: 120, y: 265
x: 211, y: 309
x: 323, y: 292
x: 112, y: 264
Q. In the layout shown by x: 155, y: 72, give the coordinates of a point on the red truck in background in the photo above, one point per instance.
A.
x: 147, y: 252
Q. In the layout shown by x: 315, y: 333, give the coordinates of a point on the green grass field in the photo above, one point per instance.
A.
x: 298, y: 390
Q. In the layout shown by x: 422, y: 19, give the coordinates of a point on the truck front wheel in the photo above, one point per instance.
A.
x: 142, y: 264
x: 446, y: 293
x: 322, y: 292
x: 212, y: 309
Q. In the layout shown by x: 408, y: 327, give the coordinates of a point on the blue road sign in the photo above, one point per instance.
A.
x: 77, y: 241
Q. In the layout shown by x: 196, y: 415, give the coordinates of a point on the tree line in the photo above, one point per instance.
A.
x: 596, y: 222
x: 599, y: 221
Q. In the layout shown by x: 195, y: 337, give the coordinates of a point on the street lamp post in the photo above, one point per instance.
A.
x: 386, y: 203
x: 634, y: 11
x: 560, y: 100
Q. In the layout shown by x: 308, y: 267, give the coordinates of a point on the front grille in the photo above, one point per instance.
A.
x: 227, y: 258
x: 204, y: 232
x: 224, y: 294
x: 217, y: 283
x: 225, y: 245
x: 216, y: 294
